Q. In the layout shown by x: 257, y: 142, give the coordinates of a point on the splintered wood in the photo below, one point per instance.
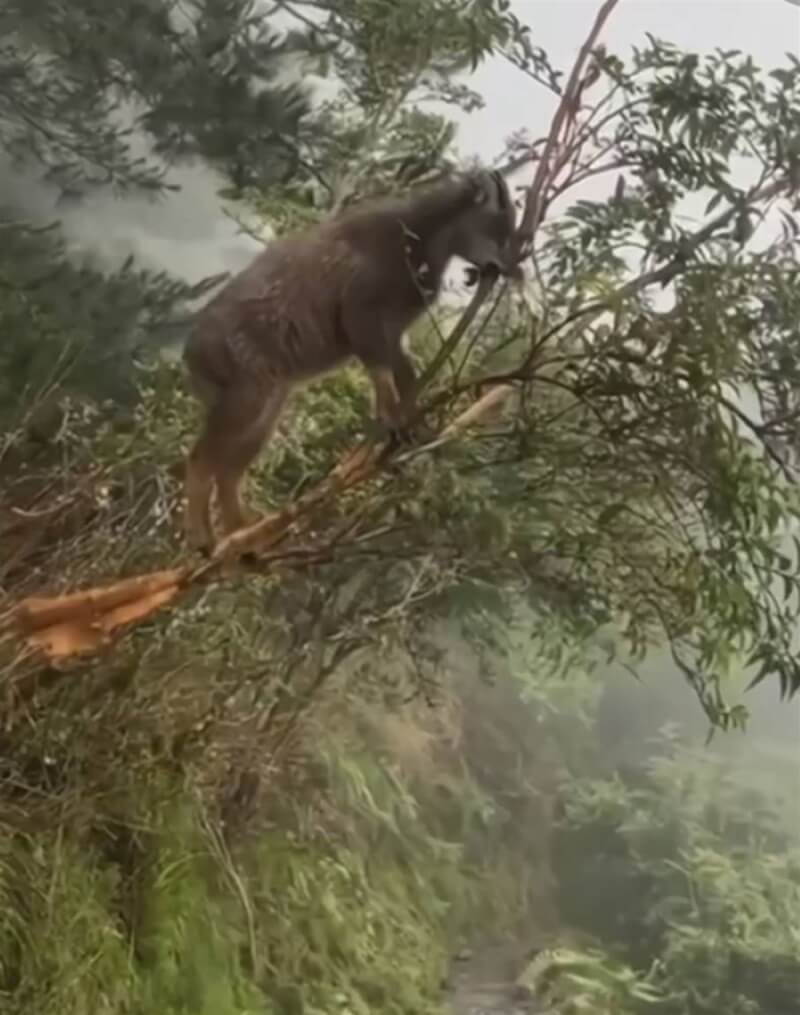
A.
x: 79, y: 623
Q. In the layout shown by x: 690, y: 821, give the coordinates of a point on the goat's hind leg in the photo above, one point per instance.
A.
x: 198, y: 487
x: 238, y: 420
x: 199, y: 474
x: 256, y: 419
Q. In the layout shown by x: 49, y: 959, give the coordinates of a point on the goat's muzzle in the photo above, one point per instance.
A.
x: 493, y: 269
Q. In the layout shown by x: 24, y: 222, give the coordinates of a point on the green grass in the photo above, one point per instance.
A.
x: 344, y: 908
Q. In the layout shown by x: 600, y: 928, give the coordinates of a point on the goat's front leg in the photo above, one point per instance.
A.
x: 390, y: 410
x: 405, y: 380
x: 378, y: 345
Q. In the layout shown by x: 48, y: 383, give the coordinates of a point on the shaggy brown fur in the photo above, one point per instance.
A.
x: 349, y: 287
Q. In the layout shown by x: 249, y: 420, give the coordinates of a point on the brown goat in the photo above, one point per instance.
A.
x: 349, y: 287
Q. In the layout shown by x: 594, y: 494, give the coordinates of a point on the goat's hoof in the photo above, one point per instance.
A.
x: 199, y: 543
x: 377, y: 431
x: 388, y: 434
x: 401, y: 436
x: 423, y: 433
x: 412, y: 434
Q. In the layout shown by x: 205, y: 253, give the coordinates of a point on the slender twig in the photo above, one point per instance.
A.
x: 535, y: 205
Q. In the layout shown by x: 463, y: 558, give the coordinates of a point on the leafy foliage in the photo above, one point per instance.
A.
x: 704, y: 873
x: 338, y: 885
x: 112, y: 96
x: 73, y: 326
x: 587, y: 981
x: 661, y: 493
x: 380, y: 128
x: 642, y: 475
x: 197, y: 80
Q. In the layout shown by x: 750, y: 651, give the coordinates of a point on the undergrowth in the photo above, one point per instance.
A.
x: 239, y: 810
x: 294, y: 924
x: 346, y: 892
x: 230, y: 813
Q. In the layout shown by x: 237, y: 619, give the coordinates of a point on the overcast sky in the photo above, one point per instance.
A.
x: 765, y: 28
x: 188, y: 234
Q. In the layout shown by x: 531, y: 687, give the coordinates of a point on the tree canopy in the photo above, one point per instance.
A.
x: 638, y: 475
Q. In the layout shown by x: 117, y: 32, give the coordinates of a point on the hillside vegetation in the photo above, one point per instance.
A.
x: 307, y: 784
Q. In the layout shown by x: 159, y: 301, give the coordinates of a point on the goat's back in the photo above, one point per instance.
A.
x: 282, y: 316
x: 277, y: 318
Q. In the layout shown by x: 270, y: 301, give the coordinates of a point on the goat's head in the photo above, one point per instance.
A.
x: 483, y: 233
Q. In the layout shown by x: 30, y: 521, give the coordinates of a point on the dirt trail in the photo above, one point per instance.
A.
x: 483, y: 983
